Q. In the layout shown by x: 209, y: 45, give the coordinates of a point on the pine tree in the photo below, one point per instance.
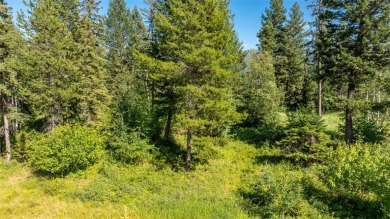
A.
x: 126, y: 35
x: 317, y: 44
x: 51, y: 60
x: 295, y: 58
x: 162, y: 72
x: 271, y: 35
x: 10, y: 45
x: 192, y: 37
x: 93, y: 97
x: 70, y: 14
x: 118, y: 35
x: 360, y: 34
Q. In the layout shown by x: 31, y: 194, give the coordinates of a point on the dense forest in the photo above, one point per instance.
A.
x: 161, y: 113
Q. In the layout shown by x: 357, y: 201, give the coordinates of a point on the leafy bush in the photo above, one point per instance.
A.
x: 279, y: 192
x: 130, y: 148
x: 360, y: 171
x: 370, y: 131
x: 305, y: 135
x: 67, y: 149
x: 206, y: 148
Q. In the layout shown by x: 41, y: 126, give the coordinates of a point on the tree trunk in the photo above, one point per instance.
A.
x: 312, y: 141
x: 189, y: 136
x: 348, y: 116
x: 167, y: 132
x: 189, y: 147
x: 320, y: 97
x: 7, y: 139
x: 319, y: 61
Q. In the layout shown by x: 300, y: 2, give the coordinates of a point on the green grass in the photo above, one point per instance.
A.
x: 249, y: 178
x: 115, y: 191
x: 332, y: 121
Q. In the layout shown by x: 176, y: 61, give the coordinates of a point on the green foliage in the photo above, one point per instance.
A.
x: 125, y: 34
x: 206, y: 148
x: 93, y: 95
x: 68, y: 149
x: 130, y: 148
x: 50, y: 71
x: 367, y: 129
x: 11, y: 45
x: 271, y: 34
x: 295, y: 77
x: 279, y: 192
x: 370, y: 130
x: 199, y: 88
x: 261, y: 97
x: 359, y: 171
x: 304, y: 134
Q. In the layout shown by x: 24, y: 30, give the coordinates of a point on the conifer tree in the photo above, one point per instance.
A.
x: 295, y: 58
x: 193, y: 37
x: 10, y: 45
x: 360, y: 41
x: 271, y: 35
x: 126, y: 35
x: 318, y: 46
x: 70, y: 14
x: 51, y: 60
x: 272, y: 38
x: 94, y: 97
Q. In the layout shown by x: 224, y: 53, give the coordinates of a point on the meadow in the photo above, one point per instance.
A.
x: 240, y: 176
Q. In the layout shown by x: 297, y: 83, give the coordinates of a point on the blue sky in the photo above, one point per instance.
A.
x: 247, y: 15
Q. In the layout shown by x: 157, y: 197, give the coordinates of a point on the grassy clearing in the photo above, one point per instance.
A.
x: 230, y: 179
x: 115, y: 191
x: 332, y: 121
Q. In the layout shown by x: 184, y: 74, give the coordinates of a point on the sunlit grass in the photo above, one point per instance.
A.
x: 116, y: 191
x: 332, y: 121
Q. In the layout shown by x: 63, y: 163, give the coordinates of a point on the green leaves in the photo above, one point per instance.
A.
x: 67, y: 149
x: 261, y: 97
x: 355, y: 170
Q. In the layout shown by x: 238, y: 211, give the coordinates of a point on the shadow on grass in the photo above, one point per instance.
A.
x: 342, y: 206
x: 274, y: 159
x: 258, y: 136
x: 171, y: 154
x: 327, y: 204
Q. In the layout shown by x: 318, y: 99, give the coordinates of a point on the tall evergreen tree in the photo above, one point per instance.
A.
x: 94, y: 97
x: 271, y: 35
x: 10, y: 44
x: 318, y: 47
x: 70, y: 13
x: 164, y: 100
x: 295, y: 58
x: 126, y: 35
x: 119, y: 28
x: 193, y: 36
x: 51, y: 59
x: 285, y: 41
x: 360, y: 34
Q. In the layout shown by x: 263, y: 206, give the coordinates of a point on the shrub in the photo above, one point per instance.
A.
x: 370, y: 131
x: 304, y: 135
x: 360, y: 171
x: 279, y: 192
x: 130, y: 148
x: 67, y: 149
